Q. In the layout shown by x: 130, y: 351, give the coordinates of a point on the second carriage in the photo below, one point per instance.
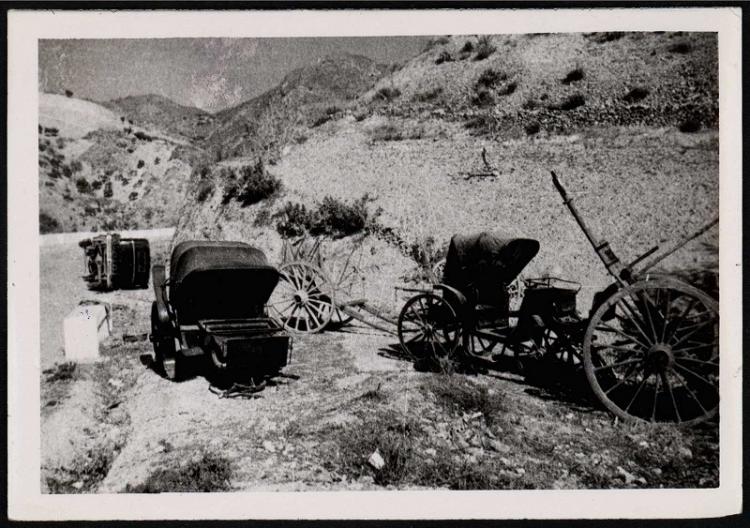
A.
x: 649, y: 346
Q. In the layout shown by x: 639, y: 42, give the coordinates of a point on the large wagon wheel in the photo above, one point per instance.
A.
x: 429, y: 329
x: 303, y: 300
x: 651, y: 352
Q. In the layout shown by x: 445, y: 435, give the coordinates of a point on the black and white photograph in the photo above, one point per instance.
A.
x: 446, y: 260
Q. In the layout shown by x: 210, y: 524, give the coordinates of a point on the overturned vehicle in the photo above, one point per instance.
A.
x: 112, y: 262
x: 210, y: 313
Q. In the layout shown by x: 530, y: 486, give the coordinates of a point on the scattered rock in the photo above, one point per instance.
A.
x: 629, y: 477
x: 376, y: 460
x: 657, y: 472
x: 268, y: 446
x: 115, y: 383
x: 521, y: 471
x: 498, y: 446
x: 430, y: 452
x: 686, y: 453
x: 78, y: 485
x: 643, y: 444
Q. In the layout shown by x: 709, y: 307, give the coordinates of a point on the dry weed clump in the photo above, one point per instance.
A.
x: 460, y: 396
x: 573, y: 76
x: 428, y: 95
x: 332, y: 217
x: 209, y: 472
x: 484, y: 48
x: 444, y: 56
x: 249, y: 184
x: 636, y: 94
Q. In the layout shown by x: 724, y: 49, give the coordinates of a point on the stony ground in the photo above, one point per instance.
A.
x: 118, y: 426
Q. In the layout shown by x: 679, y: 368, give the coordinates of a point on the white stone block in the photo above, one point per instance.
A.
x: 83, y: 328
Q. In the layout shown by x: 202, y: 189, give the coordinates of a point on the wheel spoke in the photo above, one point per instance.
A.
x: 690, y: 391
x: 656, y: 398
x: 606, y: 327
x: 631, y: 315
x: 613, y: 365
x: 312, y: 315
x: 638, y: 391
x: 695, y: 328
x: 693, y: 360
x: 631, y: 370
x: 695, y: 375
x: 645, y: 300
x: 665, y: 381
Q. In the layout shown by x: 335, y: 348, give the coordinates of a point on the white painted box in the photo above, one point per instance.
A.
x: 83, y: 328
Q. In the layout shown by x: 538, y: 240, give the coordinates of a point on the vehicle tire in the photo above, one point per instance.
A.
x: 165, y: 347
x: 430, y: 330
x: 657, y: 358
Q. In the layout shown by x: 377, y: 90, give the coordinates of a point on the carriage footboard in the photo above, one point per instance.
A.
x: 256, y: 344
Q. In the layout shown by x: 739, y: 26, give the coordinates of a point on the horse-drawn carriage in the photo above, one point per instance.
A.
x: 649, y: 345
x: 213, y: 306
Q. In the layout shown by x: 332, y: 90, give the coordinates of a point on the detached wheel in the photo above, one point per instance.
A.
x: 429, y: 329
x: 303, y: 300
x: 651, y: 353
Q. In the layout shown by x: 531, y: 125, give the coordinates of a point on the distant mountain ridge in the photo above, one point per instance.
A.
x: 159, y: 111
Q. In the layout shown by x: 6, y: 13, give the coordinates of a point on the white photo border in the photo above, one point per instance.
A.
x: 26, y: 502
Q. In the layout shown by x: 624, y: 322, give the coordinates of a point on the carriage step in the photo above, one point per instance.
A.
x: 191, y: 352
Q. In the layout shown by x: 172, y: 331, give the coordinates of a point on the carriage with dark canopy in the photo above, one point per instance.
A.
x: 212, y: 307
x: 649, y: 346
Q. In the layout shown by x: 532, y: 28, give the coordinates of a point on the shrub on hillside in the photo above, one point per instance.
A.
x: 601, y: 38
x: 570, y: 103
x: 107, y: 193
x: 332, y: 217
x: 387, y: 93
x: 444, y: 56
x: 636, y: 94
x: 140, y: 164
x: 386, y: 132
x: 428, y: 95
x: 437, y: 41
x: 468, y: 47
x: 489, y: 79
x: 532, y: 128
x: 203, y: 190
x: 690, y: 125
x: 680, y: 47
x: 76, y: 166
x: 83, y: 186
x: 250, y: 184
x: 484, y: 48
x: 573, y: 76
x: 47, y: 224
x: 508, y: 88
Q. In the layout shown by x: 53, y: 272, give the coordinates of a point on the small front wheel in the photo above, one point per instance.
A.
x: 429, y: 329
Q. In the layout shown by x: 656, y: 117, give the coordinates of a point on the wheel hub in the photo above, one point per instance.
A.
x: 300, y: 297
x: 660, y: 357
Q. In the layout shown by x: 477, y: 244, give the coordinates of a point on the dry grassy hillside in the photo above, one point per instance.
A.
x: 99, y: 172
x: 405, y: 162
x: 157, y: 111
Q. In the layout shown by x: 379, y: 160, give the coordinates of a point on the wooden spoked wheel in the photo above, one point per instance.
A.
x: 438, y: 269
x: 303, y: 300
x: 429, y: 329
x: 651, y: 353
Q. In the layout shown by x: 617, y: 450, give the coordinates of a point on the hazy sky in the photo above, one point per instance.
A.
x: 207, y: 73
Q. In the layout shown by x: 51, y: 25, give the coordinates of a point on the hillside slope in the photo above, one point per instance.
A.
x: 158, y: 111
x: 306, y: 97
x: 98, y: 172
x: 638, y: 182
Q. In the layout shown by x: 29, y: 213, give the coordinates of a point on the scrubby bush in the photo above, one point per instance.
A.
x: 208, y: 473
x: 47, y: 224
x: 437, y: 41
x: 428, y: 95
x: 483, y: 97
x: 532, y: 128
x: 530, y: 104
x: 107, y: 193
x: 690, y: 125
x: 76, y: 166
x: 386, y: 132
x: 332, y: 217
x: 468, y: 47
x: 444, y: 56
x: 636, y: 94
x: 570, y: 103
x: 680, y: 47
x: 250, y: 184
x: 573, y: 76
x: 489, y: 79
x: 484, y: 48
x: 602, y: 37
x: 83, y: 186
x: 508, y: 88
x: 387, y: 93
x: 140, y: 164
x: 157, y: 160
x: 133, y: 196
